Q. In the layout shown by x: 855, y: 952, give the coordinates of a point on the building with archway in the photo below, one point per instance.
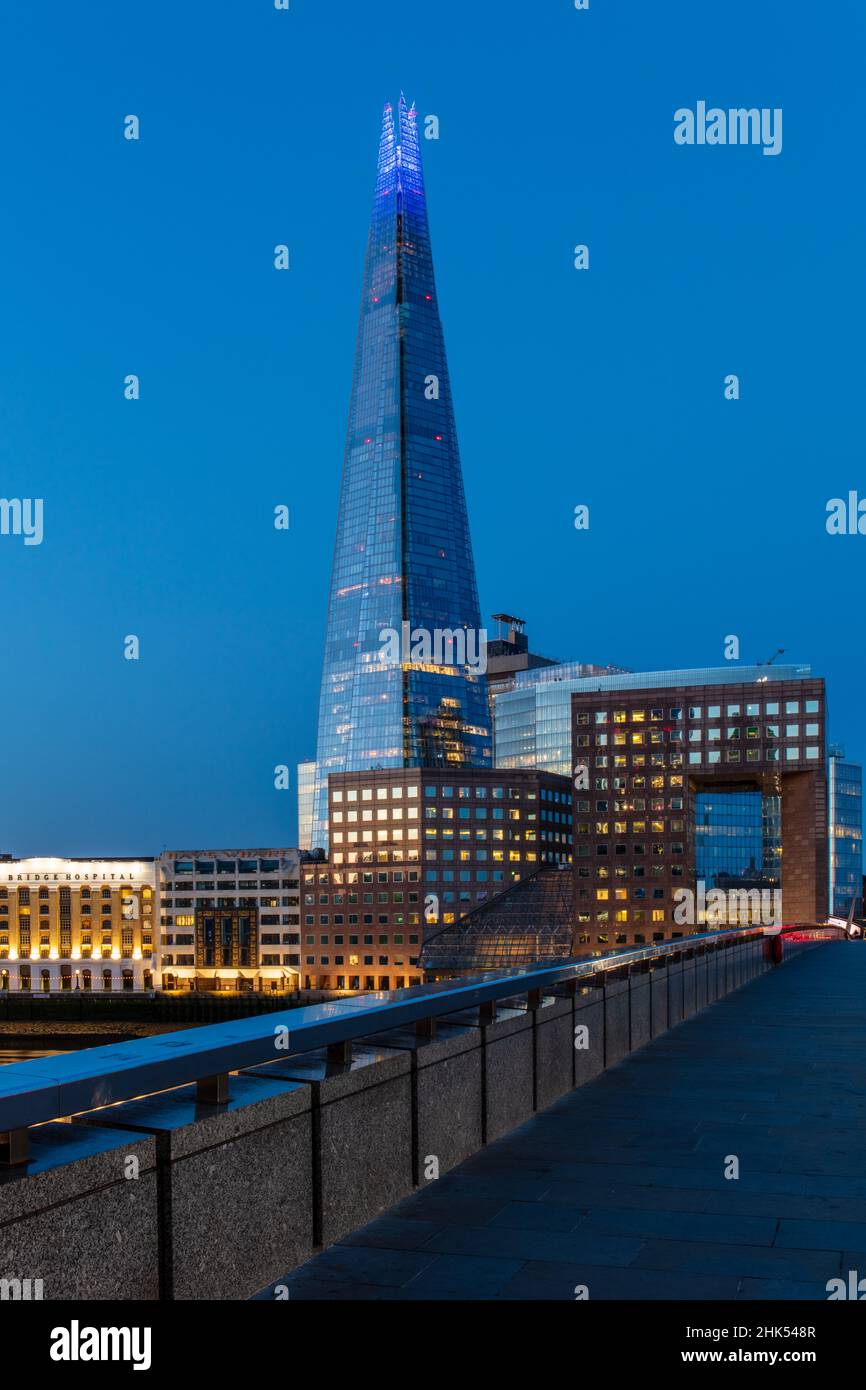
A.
x: 77, y: 924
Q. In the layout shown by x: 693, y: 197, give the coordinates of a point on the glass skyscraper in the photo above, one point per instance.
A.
x: 845, y: 818
x: 396, y: 692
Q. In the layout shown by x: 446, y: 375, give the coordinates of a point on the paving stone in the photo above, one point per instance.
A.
x: 463, y: 1277
x: 755, y: 1262
x: 527, y: 1245
x: 549, y: 1279
x: 390, y: 1233
x: 363, y: 1265
x: 683, y: 1225
x: 781, y: 1290
x: 821, y: 1235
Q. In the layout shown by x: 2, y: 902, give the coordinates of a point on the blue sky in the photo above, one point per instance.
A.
x: 606, y: 388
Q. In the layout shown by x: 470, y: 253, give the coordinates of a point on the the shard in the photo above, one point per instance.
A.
x: 403, y: 570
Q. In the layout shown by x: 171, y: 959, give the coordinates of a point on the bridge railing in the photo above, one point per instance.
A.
x: 51, y: 1088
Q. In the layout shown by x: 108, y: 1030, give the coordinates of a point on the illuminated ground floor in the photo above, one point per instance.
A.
x: 57, y: 976
x: 259, y: 979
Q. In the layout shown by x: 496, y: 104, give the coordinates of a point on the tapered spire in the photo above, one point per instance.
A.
x: 403, y: 557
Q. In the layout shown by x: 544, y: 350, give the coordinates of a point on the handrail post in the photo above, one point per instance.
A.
x: 14, y: 1147
x: 213, y: 1090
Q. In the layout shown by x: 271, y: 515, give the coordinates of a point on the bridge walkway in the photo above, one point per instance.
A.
x: 620, y: 1187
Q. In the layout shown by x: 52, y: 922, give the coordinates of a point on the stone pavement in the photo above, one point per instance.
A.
x: 620, y: 1187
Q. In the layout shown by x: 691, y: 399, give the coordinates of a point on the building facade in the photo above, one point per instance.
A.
x: 845, y: 815
x: 306, y: 803
x: 229, y: 919
x: 508, y: 652
x: 412, y: 850
x: 77, y: 924
x: 403, y: 557
x: 691, y: 788
x: 532, y: 713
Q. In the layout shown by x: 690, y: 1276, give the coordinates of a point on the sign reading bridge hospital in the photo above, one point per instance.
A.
x: 66, y: 871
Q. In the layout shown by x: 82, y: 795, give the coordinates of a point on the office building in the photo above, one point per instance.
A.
x: 508, y: 652
x: 845, y: 817
x: 415, y: 850
x: 703, y: 786
x: 229, y: 919
x: 532, y: 713
x: 306, y: 803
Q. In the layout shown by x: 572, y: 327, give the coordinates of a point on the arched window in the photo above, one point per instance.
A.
x: 127, y: 979
x: 45, y: 981
x: 86, y: 979
x: 106, y: 979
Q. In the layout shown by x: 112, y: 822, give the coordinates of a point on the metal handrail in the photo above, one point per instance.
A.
x: 51, y: 1088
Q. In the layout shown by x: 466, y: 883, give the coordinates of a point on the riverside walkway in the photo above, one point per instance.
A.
x: 619, y: 1190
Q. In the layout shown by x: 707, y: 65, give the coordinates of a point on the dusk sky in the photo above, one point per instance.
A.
x: 603, y: 387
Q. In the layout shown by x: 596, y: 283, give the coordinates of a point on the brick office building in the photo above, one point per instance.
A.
x: 723, y: 784
x: 412, y: 849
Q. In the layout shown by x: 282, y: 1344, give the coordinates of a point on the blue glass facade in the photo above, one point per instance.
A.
x: 845, y: 818
x: 738, y: 838
x: 403, y: 557
x: 306, y: 803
